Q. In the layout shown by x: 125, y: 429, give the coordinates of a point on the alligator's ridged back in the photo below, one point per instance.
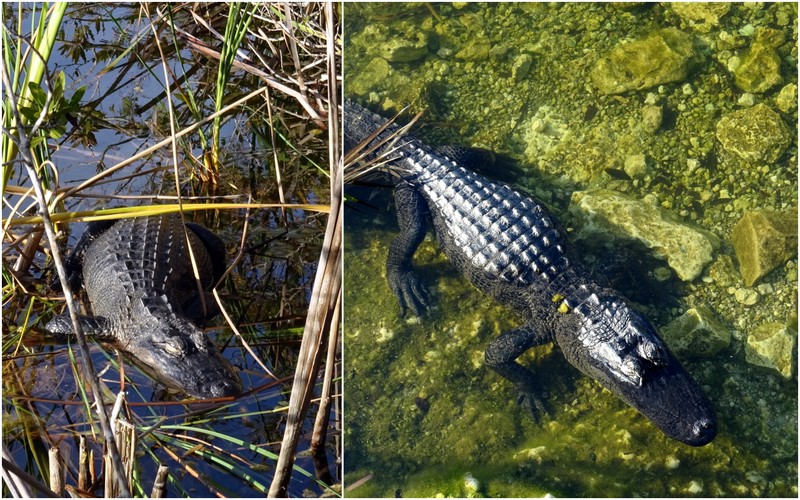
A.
x: 140, y: 266
x: 492, y: 233
x: 361, y: 123
x: 502, y: 233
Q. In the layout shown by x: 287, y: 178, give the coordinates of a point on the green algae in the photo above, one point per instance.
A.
x: 422, y: 410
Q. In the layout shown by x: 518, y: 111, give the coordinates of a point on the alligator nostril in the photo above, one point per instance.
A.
x: 223, y: 388
x: 705, y: 428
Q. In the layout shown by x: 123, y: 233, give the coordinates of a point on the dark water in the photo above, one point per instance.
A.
x: 231, y: 447
x: 425, y: 417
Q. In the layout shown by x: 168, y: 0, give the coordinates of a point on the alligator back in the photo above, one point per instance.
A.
x: 138, y: 277
x: 497, y: 237
x: 140, y: 268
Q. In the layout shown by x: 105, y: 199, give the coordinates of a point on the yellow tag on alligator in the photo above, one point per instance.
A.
x: 557, y: 297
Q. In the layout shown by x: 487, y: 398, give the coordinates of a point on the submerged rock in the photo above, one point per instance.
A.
x: 764, y: 240
x: 652, y: 117
x: 662, y: 57
x: 701, y: 16
x: 686, y: 248
x: 760, y: 69
x: 635, y: 166
x: 696, y: 333
x: 407, y: 45
x: 772, y: 345
x: 756, y: 134
x: 366, y: 81
x: 521, y: 67
x: 475, y: 51
x: 786, y: 100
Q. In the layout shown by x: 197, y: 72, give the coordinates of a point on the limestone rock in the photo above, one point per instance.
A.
x: 521, y: 67
x: 760, y: 69
x: 764, y: 240
x: 635, y: 166
x: 701, y: 16
x: 786, y: 100
x: 723, y: 272
x: 475, y: 51
x: 605, y: 213
x: 696, y: 333
x: 652, y: 117
x: 746, y: 296
x: 772, y: 345
x: 366, y: 81
x: 756, y: 134
x: 662, y: 57
x: 407, y: 45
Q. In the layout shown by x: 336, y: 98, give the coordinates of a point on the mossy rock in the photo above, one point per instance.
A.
x: 663, y: 57
x: 610, y: 215
x: 756, y: 135
x: 764, y: 240
x: 696, y: 333
x: 760, y: 69
x: 702, y: 16
x: 772, y: 345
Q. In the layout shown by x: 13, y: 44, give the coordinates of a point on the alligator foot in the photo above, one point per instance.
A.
x: 410, y: 292
x: 532, y: 399
x: 500, y: 357
x: 403, y: 281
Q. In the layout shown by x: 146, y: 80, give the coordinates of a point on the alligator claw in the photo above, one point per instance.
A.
x: 533, y: 400
x: 410, y: 292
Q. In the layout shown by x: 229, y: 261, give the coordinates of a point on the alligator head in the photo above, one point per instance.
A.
x: 618, y: 347
x: 181, y: 356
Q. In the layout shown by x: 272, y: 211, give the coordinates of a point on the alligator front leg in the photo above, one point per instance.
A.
x: 501, y: 355
x: 93, y: 326
x: 404, y: 282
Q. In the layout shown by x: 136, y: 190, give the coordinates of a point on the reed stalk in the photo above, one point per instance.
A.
x: 34, y: 70
x: 323, y: 311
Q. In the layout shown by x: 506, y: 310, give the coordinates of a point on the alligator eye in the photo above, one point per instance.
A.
x: 174, y: 346
x: 202, y: 342
x: 632, y: 369
x: 651, y: 351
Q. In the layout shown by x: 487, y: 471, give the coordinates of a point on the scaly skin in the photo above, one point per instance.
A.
x: 138, y: 277
x: 509, y: 247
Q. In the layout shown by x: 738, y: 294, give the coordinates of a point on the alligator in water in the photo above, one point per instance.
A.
x: 138, y: 277
x: 509, y: 247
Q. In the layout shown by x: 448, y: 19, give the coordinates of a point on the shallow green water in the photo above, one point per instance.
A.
x: 425, y: 417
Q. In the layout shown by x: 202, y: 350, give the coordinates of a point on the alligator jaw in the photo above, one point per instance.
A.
x: 668, y: 396
x: 659, y: 387
x: 675, y: 403
x: 189, y: 363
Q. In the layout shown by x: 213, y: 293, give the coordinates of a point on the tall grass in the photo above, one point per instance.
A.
x: 239, y: 16
x: 26, y: 61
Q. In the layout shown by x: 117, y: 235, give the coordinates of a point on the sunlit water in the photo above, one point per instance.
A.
x: 425, y: 416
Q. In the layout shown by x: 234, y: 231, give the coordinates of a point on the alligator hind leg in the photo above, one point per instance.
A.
x: 404, y: 282
x: 501, y: 355
x: 74, y: 261
x: 215, y: 247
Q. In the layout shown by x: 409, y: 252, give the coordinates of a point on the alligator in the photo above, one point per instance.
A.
x: 511, y: 248
x: 138, y: 278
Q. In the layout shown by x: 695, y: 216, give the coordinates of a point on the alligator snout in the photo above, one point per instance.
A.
x: 703, y: 432
x: 223, y: 388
